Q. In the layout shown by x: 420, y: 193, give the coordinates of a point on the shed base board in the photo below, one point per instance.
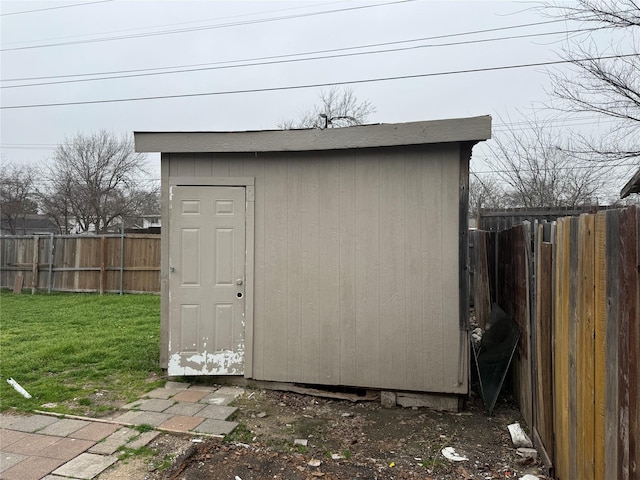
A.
x: 434, y: 401
x: 388, y: 399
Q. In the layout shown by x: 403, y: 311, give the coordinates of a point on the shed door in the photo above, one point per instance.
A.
x: 206, y: 280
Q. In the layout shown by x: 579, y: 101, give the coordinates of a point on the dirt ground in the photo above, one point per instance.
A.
x: 344, y: 440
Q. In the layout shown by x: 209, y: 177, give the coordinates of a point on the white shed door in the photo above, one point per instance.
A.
x: 206, y: 280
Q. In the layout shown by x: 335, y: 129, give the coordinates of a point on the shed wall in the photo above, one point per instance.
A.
x: 356, y: 264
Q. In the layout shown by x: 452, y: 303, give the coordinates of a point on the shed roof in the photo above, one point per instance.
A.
x: 472, y: 129
x: 632, y: 186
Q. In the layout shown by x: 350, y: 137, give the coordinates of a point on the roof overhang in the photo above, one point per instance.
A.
x: 632, y: 186
x: 472, y: 129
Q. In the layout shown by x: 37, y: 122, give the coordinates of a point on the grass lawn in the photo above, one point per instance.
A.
x: 82, y: 352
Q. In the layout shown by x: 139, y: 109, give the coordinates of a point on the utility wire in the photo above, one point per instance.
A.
x: 53, y: 8
x: 332, y: 50
x: 206, y: 27
x: 315, y: 85
x: 268, y: 61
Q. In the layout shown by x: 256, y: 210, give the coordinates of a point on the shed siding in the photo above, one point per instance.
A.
x: 356, y: 264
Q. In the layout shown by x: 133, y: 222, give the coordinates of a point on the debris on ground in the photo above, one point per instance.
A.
x: 450, y: 454
x: 518, y: 437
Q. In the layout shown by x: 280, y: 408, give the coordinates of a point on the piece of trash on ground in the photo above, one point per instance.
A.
x: 301, y: 441
x: 525, y: 452
x: 18, y: 388
x: 528, y: 476
x: 450, y: 454
x: 518, y: 436
x: 337, y: 456
x: 314, y: 463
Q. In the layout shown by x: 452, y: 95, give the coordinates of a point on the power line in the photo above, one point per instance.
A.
x: 53, y: 8
x: 206, y: 27
x: 316, y: 85
x: 262, y: 61
x: 306, y: 5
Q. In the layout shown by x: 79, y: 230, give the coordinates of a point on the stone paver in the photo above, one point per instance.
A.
x: 191, y: 395
x: 212, y: 426
x: 33, y: 423
x: 185, y: 408
x: 142, y: 440
x: 154, y: 405
x: 176, y: 385
x: 7, y: 421
x: 64, y: 427
x: 135, y: 417
x: 30, y: 444
x: 66, y: 448
x: 7, y: 437
x: 181, y: 423
x: 217, y: 412
x: 53, y: 448
x: 114, y: 441
x: 32, y: 468
x: 8, y: 460
x: 164, y: 393
x: 86, y: 466
x: 95, y: 431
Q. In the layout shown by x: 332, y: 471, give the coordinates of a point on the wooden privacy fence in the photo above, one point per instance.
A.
x: 104, y: 263
x: 573, y: 288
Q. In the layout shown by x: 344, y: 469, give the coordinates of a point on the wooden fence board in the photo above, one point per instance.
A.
x: 572, y: 406
x: 611, y: 412
x: 76, y: 264
x: 585, y: 427
x: 544, y: 350
x: 561, y: 349
x: 600, y: 327
x: 630, y: 428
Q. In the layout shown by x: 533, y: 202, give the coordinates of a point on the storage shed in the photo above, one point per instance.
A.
x: 325, y: 257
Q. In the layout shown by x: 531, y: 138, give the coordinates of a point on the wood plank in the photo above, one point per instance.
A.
x: 295, y: 313
x: 572, y: 347
x: 367, y: 270
x: 347, y: 271
x: 634, y: 414
x: 395, y: 327
x: 544, y: 349
x: 585, y: 349
x: 310, y: 231
x: 416, y: 353
x: 623, y: 351
x: 275, y: 269
x: 482, y: 294
x: 611, y: 414
x: 17, y: 284
x: 34, y: 261
x: 328, y: 279
x: 561, y: 348
x: 600, y: 327
x: 629, y: 322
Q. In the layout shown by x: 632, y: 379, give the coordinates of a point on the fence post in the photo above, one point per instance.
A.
x: 51, y: 247
x: 103, y: 264
x: 34, y: 269
x: 122, y: 256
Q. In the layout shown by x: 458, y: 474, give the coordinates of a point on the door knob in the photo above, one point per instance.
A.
x: 239, y: 281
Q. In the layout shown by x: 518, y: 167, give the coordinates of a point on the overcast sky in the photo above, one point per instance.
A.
x: 258, y: 50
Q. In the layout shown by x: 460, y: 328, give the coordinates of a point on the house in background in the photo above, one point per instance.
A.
x: 632, y: 186
x: 325, y: 257
x: 28, y: 224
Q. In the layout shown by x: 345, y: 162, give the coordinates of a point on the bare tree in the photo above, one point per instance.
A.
x: 17, y: 195
x: 484, y: 192
x: 337, y: 108
x: 537, y: 170
x: 604, y: 80
x: 94, y: 180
